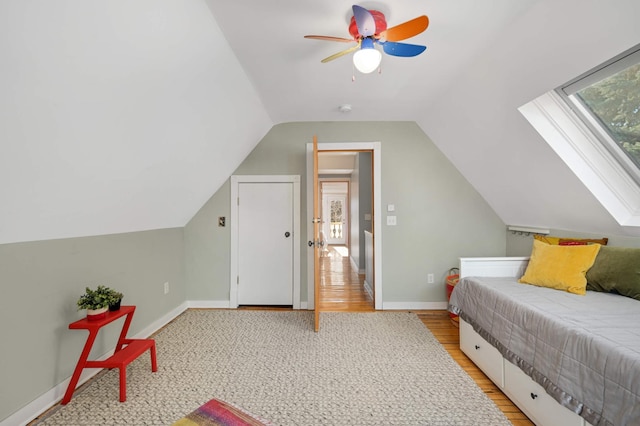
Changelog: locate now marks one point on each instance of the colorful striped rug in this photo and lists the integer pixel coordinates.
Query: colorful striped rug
(220, 413)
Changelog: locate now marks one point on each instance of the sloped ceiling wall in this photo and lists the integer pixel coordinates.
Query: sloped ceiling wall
(116, 116)
(124, 116)
(477, 125)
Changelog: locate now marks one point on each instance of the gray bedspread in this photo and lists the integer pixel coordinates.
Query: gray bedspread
(584, 350)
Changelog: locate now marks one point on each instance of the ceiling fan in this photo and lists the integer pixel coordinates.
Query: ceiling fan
(368, 28)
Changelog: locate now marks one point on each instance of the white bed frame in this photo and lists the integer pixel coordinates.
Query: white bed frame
(529, 396)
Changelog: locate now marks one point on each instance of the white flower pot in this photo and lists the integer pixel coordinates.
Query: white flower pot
(96, 314)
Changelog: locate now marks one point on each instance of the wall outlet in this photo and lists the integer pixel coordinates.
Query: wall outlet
(391, 221)
(430, 279)
(166, 288)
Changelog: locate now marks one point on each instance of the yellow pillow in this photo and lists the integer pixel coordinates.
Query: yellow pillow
(560, 267)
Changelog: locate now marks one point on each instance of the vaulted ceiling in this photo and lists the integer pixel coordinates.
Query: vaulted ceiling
(118, 116)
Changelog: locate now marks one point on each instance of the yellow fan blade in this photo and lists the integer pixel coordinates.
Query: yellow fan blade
(339, 54)
(406, 30)
(330, 38)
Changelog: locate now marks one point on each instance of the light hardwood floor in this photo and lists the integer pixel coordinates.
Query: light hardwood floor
(439, 323)
(341, 289)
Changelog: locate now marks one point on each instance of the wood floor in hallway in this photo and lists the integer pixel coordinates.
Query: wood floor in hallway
(341, 287)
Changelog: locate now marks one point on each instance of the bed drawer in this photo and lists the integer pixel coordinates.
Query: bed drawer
(534, 401)
(481, 353)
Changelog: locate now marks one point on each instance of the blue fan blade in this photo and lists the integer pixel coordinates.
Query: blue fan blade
(402, 49)
(364, 20)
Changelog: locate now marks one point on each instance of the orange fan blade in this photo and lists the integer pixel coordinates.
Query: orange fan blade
(406, 30)
(329, 38)
(339, 54)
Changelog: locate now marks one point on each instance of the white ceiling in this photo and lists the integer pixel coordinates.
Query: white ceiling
(285, 68)
(116, 116)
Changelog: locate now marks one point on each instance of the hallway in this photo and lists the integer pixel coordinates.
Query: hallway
(341, 288)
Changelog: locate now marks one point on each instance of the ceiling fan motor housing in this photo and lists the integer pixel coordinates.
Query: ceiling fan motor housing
(378, 17)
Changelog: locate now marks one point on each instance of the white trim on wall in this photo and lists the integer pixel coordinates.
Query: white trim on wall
(235, 181)
(208, 304)
(376, 148)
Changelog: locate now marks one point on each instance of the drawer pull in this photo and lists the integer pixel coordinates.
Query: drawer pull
(533, 395)
(477, 347)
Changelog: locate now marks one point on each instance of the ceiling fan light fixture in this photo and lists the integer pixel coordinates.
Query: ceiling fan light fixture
(367, 59)
(368, 28)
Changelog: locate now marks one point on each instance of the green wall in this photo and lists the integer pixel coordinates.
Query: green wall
(440, 216)
(207, 253)
(41, 282)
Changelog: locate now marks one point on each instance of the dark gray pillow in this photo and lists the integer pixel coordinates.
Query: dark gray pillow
(616, 270)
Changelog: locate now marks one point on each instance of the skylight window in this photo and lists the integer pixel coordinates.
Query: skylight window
(593, 124)
(608, 101)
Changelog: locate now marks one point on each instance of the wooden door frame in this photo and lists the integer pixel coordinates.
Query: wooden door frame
(376, 149)
(316, 234)
(236, 180)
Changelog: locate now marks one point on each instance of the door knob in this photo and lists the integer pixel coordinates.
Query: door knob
(287, 234)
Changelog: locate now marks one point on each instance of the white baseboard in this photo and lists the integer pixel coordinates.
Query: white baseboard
(426, 306)
(220, 304)
(414, 306)
(48, 399)
(368, 289)
(161, 322)
(210, 304)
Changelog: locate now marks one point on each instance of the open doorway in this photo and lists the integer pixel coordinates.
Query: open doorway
(349, 170)
(342, 271)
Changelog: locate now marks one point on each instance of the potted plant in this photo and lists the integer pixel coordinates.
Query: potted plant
(113, 298)
(95, 302)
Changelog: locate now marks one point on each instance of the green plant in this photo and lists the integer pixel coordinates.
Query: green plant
(101, 297)
(93, 299)
(113, 296)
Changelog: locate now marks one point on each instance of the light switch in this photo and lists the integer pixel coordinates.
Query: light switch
(391, 208)
(391, 220)
(367, 216)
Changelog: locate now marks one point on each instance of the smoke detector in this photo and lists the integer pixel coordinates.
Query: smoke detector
(345, 108)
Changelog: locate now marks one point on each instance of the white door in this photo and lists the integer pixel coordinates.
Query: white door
(265, 243)
(334, 217)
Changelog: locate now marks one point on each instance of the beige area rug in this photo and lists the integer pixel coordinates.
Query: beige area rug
(382, 368)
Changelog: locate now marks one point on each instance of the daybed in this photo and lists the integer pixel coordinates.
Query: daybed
(563, 358)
